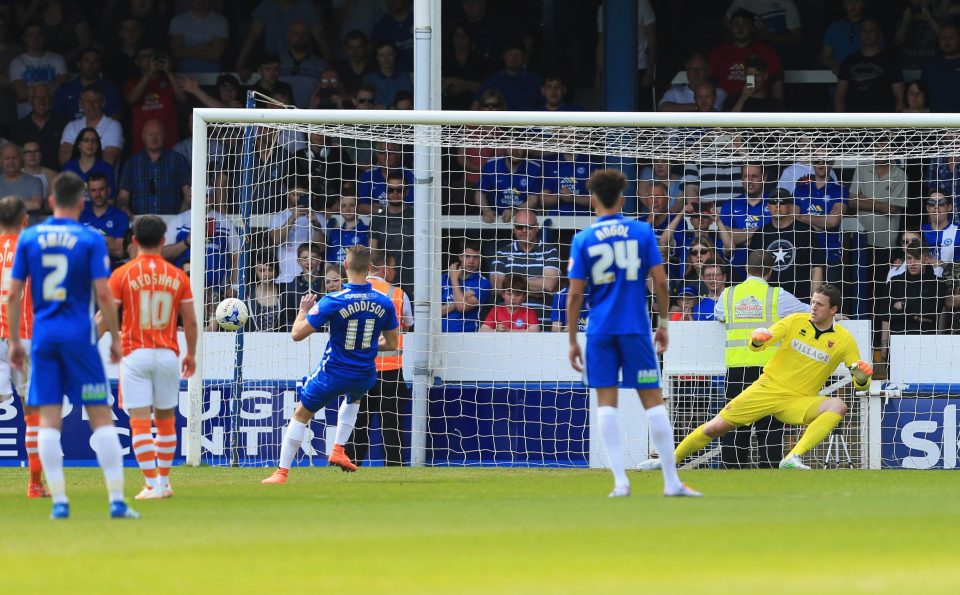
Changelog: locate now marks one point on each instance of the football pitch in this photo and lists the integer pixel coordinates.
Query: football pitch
(490, 531)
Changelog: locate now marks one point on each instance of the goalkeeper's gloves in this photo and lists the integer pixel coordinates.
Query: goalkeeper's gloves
(760, 336)
(862, 372)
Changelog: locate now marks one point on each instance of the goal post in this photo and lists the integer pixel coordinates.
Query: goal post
(511, 399)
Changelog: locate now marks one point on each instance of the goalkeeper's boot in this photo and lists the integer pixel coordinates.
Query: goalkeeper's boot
(340, 459)
(37, 490)
(120, 510)
(620, 492)
(793, 462)
(61, 510)
(278, 476)
(649, 465)
(149, 493)
(684, 491)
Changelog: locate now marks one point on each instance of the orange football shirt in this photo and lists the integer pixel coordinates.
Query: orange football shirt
(8, 248)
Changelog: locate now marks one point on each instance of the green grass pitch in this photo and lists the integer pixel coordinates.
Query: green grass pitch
(490, 531)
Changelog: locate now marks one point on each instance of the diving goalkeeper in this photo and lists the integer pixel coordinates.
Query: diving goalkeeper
(811, 347)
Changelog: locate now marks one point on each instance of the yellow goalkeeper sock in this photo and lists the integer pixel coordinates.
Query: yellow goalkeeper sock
(818, 429)
(694, 441)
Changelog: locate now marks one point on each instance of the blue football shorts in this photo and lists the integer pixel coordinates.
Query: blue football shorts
(633, 355)
(69, 369)
(322, 387)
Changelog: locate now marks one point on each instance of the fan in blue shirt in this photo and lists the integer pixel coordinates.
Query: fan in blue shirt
(462, 313)
(821, 203)
(349, 231)
(558, 315)
(565, 183)
(509, 182)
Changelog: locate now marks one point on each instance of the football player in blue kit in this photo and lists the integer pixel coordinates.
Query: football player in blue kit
(610, 261)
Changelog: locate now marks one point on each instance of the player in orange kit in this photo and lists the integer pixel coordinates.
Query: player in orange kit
(13, 218)
(151, 293)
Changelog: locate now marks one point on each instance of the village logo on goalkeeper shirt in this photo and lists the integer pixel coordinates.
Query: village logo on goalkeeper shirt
(809, 351)
(784, 253)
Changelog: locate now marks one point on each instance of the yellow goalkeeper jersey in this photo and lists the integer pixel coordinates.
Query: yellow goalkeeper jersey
(807, 356)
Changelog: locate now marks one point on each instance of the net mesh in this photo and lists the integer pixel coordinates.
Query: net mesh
(285, 200)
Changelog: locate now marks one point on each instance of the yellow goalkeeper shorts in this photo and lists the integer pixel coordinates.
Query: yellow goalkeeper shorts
(760, 400)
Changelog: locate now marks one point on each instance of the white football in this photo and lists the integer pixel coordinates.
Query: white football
(232, 314)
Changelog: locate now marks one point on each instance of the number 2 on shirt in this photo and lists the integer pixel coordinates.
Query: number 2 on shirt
(624, 253)
(53, 290)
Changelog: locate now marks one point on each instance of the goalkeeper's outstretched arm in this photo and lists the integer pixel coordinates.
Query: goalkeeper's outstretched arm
(761, 337)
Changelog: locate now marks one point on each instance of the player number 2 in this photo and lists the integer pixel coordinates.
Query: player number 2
(53, 290)
(155, 309)
(351, 343)
(624, 253)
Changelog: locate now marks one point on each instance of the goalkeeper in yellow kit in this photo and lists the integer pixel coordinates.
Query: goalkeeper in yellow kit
(811, 348)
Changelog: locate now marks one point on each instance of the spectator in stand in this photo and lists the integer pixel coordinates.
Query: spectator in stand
(869, 80)
(463, 70)
(507, 183)
(742, 216)
(9, 49)
(35, 65)
(464, 292)
(385, 78)
(705, 97)
(198, 38)
(513, 315)
(565, 183)
(939, 230)
(299, 66)
(120, 59)
(662, 171)
(264, 298)
(396, 27)
(714, 281)
(727, 59)
(153, 96)
(689, 225)
(915, 98)
(66, 101)
(391, 230)
(529, 256)
(269, 83)
(492, 30)
(86, 157)
(41, 125)
(111, 134)
(843, 36)
(328, 93)
(943, 175)
(821, 204)
(272, 18)
(33, 165)
(345, 231)
(688, 261)
(558, 314)
(898, 255)
(917, 33)
(14, 182)
(657, 208)
(646, 52)
(331, 170)
(519, 86)
(776, 22)
(64, 24)
(227, 94)
(554, 91)
(797, 266)
(915, 298)
(472, 156)
(333, 277)
(372, 188)
(403, 100)
(755, 96)
(680, 98)
(878, 194)
(156, 180)
(106, 219)
(941, 74)
(294, 225)
(309, 280)
(686, 300)
(711, 182)
(357, 63)
(153, 17)
(801, 171)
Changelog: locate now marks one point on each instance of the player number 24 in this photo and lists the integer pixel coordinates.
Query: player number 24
(351, 343)
(625, 254)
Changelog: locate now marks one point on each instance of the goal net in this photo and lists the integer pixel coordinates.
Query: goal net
(473, 215)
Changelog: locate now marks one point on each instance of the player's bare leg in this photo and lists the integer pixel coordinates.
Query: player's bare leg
(292, 440)
(661, 432)
(609, 422)
(346, 420)
(48, 447)
(820, 422)
(110, 456)
(693, 442)
(145, 450)
(166, 445)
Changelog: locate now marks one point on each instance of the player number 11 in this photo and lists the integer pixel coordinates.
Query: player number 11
(624, 253)
(351, 343)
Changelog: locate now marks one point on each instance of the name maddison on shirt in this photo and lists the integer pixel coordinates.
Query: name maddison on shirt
(811, 352)
(355, 307)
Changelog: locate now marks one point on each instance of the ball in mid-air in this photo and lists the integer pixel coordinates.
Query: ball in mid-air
(232, 314)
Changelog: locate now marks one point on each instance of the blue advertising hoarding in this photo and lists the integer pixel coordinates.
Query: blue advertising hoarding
(919, 433)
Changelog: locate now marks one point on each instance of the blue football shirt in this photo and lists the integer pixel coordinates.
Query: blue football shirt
(62, 258)
(559, 311)
(738, 213)
(820, 201)
(458, 322)
(507, 189)
(614, 256)
(340, 238)
(560, 174)
(357, 315)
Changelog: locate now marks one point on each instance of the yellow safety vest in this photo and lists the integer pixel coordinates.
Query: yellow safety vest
(746, 306)
(391, 360)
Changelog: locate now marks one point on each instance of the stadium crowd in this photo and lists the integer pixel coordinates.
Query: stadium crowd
(105, 88)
